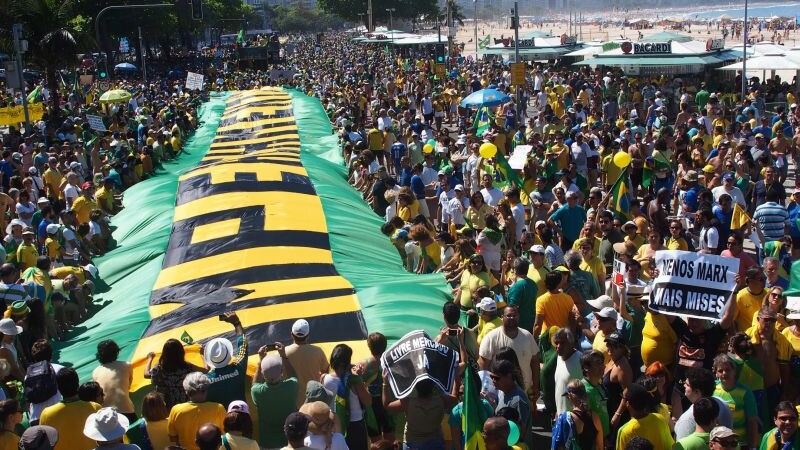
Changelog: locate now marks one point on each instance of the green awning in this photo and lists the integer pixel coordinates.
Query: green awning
(543, 51)
(638, 61)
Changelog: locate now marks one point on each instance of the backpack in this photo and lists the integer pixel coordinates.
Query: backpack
(40, 382)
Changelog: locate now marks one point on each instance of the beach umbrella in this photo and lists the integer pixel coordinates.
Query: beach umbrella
(115, 96)
(125, 67)
(485, 97)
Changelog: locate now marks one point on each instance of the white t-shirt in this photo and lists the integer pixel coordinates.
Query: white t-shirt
(317, 442)
(523, 345)
(492, 196)
(70, 192)
(518, 211)
(735, 193)
(456, 208)
(35, 409)
(686, 424)
(709, 238)
(331, 383)
(565, 372)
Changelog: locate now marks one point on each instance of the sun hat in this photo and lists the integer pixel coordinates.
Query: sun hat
(218, 353)
(9, 328)
(105, 425)
(721, 433)
(319, 413)
(19, 310)
(39, 437)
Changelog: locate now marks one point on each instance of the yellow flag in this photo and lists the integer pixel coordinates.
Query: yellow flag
(740, 217)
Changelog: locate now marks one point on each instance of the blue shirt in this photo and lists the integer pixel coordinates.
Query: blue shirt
(571, 220)
(691, 197)
(418, 187)
(398, 150)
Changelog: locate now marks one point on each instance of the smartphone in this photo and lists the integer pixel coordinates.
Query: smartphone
(221, 317)
(271, 347)
(452, 331)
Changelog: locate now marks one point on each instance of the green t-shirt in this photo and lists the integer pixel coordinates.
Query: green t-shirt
(274, 402)
(694, 441)
(523, 294)
(632, 330)
(742, 402)
(598, 403)
(585, 283)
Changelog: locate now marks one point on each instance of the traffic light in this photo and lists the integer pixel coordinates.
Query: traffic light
(512, 21)
(197, 9)
(102, 74)
(440, 53)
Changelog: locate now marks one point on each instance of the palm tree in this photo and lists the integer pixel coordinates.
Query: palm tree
(52, 41)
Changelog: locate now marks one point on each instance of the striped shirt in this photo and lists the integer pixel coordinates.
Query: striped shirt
(742, 402)
(772, 219)
(10, 293)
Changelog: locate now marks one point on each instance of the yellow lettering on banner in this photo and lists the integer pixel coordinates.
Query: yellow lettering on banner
(14, 115)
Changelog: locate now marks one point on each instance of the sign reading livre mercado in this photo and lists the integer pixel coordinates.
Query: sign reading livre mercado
(692, 284)
(416, 357)
(647, 48)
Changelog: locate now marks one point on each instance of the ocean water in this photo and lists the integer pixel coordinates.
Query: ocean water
(780, 10)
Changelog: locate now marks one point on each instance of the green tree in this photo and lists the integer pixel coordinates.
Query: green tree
(404, 9)
(50, 28)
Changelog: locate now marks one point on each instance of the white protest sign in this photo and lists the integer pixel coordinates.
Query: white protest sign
(519, 157)
(96, 122)
(693, 284)
(194, 81)
(618, 276)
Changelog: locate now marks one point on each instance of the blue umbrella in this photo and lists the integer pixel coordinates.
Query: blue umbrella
(125, 66)
(485, 97)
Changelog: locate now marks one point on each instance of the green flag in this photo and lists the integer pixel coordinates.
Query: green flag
(483, 43)
(36, 95)
(472, 414)
(186, 339)
(483, 120)
(240, 36)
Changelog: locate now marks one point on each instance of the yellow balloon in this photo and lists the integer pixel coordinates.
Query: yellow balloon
(488, 150)
(622, 159)
(427, 148)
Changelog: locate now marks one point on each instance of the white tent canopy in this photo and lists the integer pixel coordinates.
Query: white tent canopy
(767, 62)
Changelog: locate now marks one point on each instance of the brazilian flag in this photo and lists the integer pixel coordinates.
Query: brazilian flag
(483, 119)
(483, 43)
(620, 195)
(472, 415)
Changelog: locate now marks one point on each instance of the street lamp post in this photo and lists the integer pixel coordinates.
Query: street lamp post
(391, 25)
(744, 53)
(361, 19)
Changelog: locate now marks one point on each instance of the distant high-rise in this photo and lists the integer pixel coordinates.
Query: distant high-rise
(310, 4)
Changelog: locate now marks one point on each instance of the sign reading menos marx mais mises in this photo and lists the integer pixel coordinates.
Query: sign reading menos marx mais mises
(692, 284)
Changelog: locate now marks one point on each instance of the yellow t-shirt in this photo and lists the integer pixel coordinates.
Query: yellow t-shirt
(83, 207)
(783, 348)
(471, 282)
(537, 276)
(677, 244)
(594, 266)
(27, 255)
(186, 418)
(658, 340)
(599, 344)
(793, 339)
(747, 306)
(53, 181)
(554, 309)
(105, 197)
(53, 248)
(650, 427)
(9, 441)
(69, 417)
(611, 170)
(65, 271)
(638, 240)
(486, 327)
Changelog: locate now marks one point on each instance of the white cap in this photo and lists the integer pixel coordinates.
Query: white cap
(52, 228)
(487, 304)
(300, 328)
(218, 353)
(240, 406)
(91, 269)
(538, 249)
(459, 188)
(604, 301)
(607, 313)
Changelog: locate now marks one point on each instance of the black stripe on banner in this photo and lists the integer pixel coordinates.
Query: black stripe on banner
(263, 101)
(201, 186)
(199, 308)
(255, 116)
(255, 159)
(212, 285)
(340, 327)
(282, 133)
(253, 236)
(246, 213)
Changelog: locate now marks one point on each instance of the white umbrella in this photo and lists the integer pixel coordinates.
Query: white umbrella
(767, 62)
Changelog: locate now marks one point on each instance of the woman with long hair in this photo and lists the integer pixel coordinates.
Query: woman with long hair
(151, 432)
(617, 377)
(477, 211)
(10, 417)
(464, 249)
(474, 276)
(345, 380)
(167, 376)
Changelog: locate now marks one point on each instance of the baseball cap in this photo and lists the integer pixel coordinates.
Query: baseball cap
(708, 168)
(459, 188)
(728, 176)
(615, 338)
(487, 304)
(296, 424)
(92, 269)
(607, 313)
(52, 228)
(721, 433)
(629, 223)
(300, 328)
(538, 249)
(239, 406)
(758, 135)
(271, 367)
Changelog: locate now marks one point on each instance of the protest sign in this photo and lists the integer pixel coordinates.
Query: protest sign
(618, 276)
(519, 157)
(96, 122)
(194, 81)
(416, 357)
(793, 304)
(693, 284)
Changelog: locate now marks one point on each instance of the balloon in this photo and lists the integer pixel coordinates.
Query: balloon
(488, 150)
(432, 142)
(513, 435)
(622, 159)
(427, 148)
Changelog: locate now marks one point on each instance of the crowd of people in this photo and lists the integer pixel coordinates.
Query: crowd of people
(529, 255)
